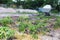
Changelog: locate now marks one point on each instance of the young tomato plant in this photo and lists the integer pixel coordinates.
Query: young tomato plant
(5, 21)
(5, 32)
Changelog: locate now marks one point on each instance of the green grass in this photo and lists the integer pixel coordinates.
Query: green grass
(57, 23)
(54, 11)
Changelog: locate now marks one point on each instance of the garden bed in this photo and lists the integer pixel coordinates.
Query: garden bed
(26, 28)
